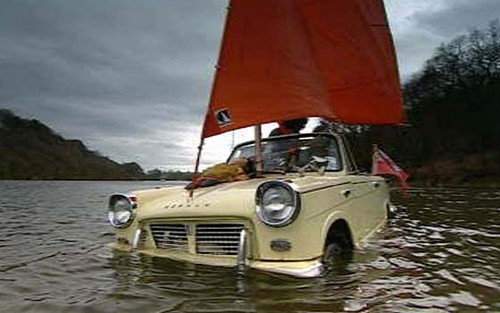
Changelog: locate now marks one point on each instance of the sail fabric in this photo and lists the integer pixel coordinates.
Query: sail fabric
(285, 59)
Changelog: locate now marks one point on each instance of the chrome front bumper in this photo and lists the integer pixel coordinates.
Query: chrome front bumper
(300, 269)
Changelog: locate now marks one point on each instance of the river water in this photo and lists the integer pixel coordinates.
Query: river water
(441, 253)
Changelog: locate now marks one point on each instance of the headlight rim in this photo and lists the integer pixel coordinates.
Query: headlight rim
(132, 206)
(259, 208)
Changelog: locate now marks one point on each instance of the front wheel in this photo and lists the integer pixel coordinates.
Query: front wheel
(338, 248)
(332, 251)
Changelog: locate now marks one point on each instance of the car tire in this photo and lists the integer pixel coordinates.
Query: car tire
(332, 251)
(338, 247)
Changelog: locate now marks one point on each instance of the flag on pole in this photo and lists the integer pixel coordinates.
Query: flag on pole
(383, 164)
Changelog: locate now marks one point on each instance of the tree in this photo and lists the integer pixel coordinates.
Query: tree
(454, 101)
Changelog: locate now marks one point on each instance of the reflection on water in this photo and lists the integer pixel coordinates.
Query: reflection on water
(441, 253)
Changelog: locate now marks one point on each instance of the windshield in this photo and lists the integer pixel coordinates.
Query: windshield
(306, 153)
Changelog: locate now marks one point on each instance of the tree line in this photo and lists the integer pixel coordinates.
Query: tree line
(157, 174)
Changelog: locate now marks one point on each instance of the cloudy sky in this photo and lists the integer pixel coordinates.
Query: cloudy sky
(131, 78)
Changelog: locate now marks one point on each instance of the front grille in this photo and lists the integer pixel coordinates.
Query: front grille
(170, 236)
(143, 237)
(218, 239)
(209, 239)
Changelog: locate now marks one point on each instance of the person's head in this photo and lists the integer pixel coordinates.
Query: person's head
(295, 125)
(321, 128)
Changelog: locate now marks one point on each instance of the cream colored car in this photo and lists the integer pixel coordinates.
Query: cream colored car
(306, 207)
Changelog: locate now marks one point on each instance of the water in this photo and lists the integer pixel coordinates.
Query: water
(440, 254)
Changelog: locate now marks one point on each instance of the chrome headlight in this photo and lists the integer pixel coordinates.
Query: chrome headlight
(277, 203)
(121, 210)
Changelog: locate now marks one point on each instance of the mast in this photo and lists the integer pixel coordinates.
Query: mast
(207, 112)
(258, 149)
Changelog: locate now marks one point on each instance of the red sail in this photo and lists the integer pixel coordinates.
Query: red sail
(285, 59)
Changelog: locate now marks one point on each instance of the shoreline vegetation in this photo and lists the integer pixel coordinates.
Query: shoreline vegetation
(452, 137)
(31, 150)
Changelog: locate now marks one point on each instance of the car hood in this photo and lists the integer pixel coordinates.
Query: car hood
(235, 199)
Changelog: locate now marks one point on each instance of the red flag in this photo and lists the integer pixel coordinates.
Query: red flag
(383, 164)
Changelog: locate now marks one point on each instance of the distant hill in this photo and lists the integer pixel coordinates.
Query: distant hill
(31, 150)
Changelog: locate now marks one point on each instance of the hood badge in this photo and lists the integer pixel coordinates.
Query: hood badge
(189, 205)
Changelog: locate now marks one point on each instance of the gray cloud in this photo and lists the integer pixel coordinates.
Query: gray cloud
(419, 27)
(132, 78)
(114, 73)
(457, 16)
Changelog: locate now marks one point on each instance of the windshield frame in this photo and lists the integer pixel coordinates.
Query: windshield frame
(336, 142)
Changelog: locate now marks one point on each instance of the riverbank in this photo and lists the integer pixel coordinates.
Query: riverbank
(481, 170)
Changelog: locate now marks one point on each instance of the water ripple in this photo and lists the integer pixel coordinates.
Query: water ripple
(440, 254)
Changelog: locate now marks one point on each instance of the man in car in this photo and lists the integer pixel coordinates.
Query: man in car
(281, 154)
(289, 127)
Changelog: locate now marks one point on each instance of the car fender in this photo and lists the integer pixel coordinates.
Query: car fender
(334, 217)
